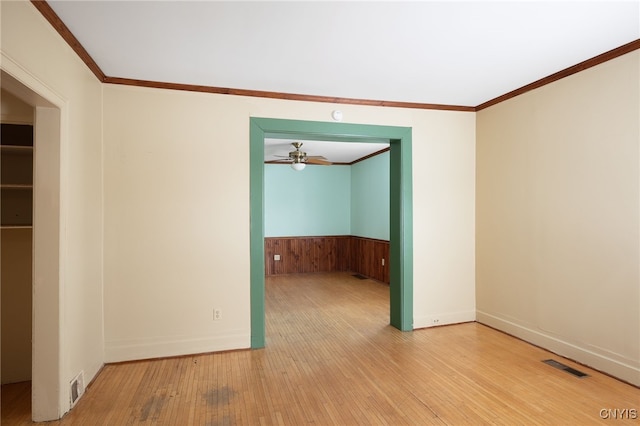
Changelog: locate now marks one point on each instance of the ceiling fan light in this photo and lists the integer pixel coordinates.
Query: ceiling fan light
(298, 166)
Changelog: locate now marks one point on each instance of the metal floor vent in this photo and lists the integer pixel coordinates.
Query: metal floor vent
(77, 388)
(360, 277)
(561, 366)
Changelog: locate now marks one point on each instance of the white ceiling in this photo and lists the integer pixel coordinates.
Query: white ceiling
(439, 52)
(460, 53)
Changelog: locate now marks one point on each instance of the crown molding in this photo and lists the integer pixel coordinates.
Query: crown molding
(43, 7)
(589, 63)
(280, 95)
(55, 21)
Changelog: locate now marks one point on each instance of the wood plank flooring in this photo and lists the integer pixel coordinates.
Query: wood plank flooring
(332, 359)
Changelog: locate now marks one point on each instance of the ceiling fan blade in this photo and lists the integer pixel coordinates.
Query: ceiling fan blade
(312, 160)
(282, 161)
(319, 157)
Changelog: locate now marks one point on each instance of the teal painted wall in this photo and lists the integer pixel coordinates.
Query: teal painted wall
(315, 201)
(337, 200)
(370, 198)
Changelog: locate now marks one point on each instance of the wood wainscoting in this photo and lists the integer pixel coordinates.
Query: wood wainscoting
(360, 255)
(370, 257)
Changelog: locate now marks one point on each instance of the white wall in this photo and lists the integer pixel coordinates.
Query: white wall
(177, 215)
(444, 218)
(34, 53)
(558, 217)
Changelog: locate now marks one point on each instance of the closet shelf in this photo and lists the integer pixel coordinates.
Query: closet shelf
(16, 148)
(16, 180)
(16, 186)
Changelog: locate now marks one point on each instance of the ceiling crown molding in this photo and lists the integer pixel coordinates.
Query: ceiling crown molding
(55, 21)
(597, 60)
(279, 95)
(43, 7)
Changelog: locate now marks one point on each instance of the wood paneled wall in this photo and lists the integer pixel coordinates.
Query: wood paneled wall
(327, 254)
(306, 254)
(367, 256)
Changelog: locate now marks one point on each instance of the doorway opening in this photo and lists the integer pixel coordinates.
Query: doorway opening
(401, 251)
(47, 395)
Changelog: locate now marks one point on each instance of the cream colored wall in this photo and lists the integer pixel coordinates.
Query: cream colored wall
(177, 215)
(558, 217)
(34, 53)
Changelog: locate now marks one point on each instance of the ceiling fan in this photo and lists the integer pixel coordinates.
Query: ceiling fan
(299, 159)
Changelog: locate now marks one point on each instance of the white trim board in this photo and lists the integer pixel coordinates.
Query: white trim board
(170, 346)
(619, 368)
(444, 318)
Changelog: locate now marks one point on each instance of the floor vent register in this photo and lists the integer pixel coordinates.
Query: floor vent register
(561, 366)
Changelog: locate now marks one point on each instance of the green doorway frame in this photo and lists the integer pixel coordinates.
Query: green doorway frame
(401, 208)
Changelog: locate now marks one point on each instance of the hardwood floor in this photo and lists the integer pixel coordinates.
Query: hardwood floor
(331, 358)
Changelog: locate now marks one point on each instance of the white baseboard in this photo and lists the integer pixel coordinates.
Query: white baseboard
(619, 368)
(445, 318)
(130, 350)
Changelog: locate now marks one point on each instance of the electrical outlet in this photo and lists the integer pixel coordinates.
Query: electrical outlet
(436, 321)
(276, 257)
(217, 314)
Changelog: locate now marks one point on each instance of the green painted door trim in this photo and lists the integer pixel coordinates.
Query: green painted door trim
(401, 205)
(256, 195)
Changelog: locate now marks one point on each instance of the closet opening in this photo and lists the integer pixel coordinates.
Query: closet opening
(31, 206)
